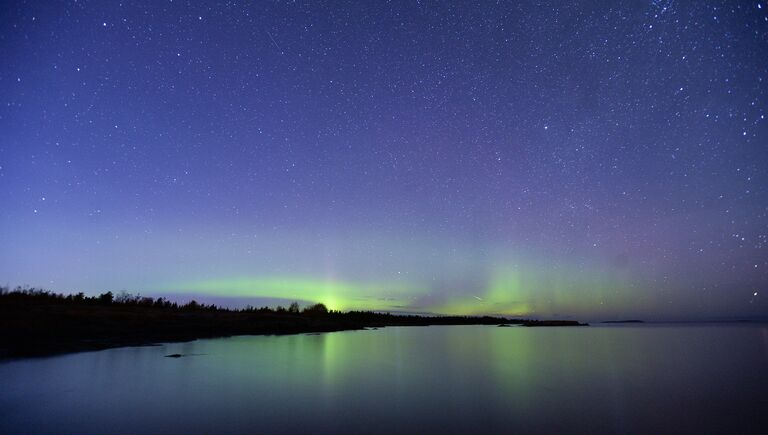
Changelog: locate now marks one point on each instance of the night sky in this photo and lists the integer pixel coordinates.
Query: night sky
(587, 159)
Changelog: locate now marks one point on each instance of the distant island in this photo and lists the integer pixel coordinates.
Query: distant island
(35, 322)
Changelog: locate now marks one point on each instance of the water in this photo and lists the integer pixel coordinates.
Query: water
(461, 379)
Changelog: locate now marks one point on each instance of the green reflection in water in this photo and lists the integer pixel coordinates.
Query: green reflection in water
(527, 380)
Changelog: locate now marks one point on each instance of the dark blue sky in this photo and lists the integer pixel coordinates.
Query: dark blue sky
(587, 159)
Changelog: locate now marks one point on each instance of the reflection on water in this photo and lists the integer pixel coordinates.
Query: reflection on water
(630, 379)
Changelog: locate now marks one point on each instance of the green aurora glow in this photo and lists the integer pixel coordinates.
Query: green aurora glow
(336, 295)
(509, 291)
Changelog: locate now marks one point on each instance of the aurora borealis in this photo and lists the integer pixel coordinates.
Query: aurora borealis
(589, 159)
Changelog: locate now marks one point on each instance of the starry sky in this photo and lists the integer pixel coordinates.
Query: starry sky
(584, 159)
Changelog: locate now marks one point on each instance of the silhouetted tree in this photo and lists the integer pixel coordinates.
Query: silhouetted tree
(316, 309)
(123, 297)
(293, 308)
(106, 298)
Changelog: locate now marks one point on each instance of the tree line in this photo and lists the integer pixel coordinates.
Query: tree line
(123, 298)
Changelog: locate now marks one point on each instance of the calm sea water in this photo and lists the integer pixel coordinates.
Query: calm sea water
(462, 379)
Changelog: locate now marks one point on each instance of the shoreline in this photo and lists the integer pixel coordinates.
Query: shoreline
(34, 328)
